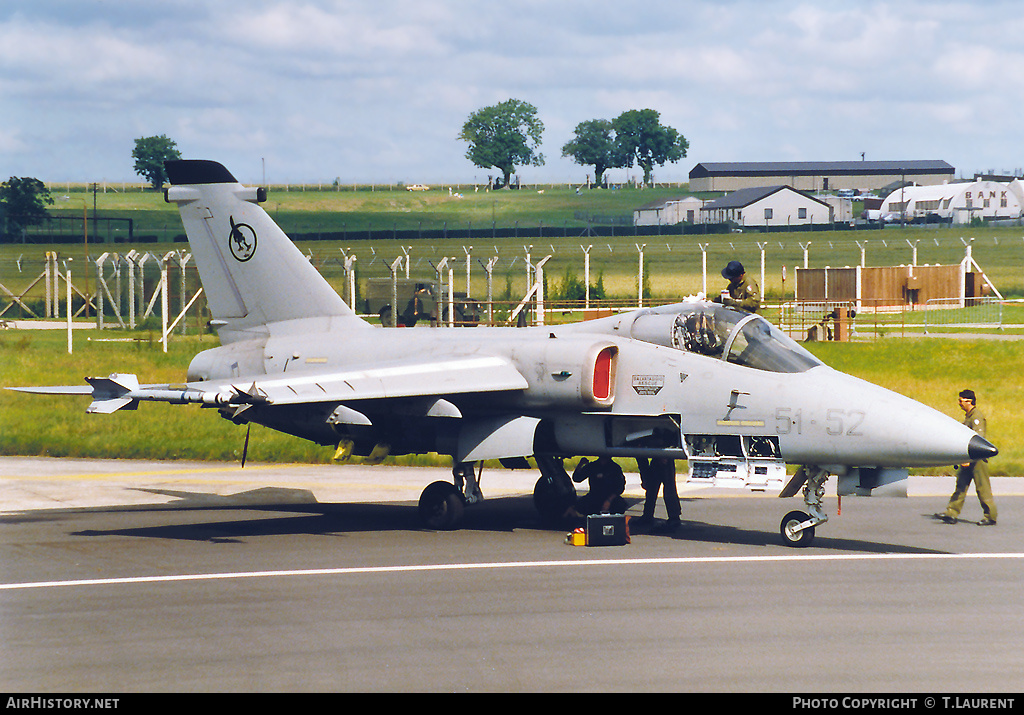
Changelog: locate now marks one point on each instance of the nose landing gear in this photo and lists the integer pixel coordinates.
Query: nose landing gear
(797, 527)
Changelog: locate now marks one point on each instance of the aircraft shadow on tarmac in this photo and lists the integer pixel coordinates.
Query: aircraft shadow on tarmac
(298, 512)
(702, 532)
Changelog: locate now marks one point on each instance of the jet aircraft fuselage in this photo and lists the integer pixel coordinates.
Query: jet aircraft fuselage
(592, 380)
(695, 381)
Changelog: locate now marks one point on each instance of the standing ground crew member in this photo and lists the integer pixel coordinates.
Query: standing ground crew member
(974, 471)
(659, 474)
(744, 292)
(422, 307)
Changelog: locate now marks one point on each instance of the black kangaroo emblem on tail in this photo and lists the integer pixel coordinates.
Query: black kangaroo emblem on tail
(242, 241)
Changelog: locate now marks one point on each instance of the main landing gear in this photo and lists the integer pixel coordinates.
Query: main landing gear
(554, 492)
(797, 527)
(442, 504)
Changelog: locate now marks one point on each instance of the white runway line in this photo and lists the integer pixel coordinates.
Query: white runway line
(343, 571)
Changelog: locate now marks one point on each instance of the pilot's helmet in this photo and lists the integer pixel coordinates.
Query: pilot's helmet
(699, 335)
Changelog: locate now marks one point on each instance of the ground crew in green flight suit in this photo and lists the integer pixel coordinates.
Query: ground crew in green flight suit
(744, 292)
(974, 471)
(422, 306)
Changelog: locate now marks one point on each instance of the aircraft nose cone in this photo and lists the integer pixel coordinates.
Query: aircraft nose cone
(981, 448)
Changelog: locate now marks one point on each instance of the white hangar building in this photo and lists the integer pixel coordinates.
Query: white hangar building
(958, 203)
(668, 212)
(768, 206)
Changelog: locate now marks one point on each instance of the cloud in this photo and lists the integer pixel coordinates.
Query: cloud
(322, 88)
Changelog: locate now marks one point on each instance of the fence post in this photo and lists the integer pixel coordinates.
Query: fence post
(99, 290)
(640, 275)
(913, 248)
(586, 275)
(163, 301)
(439, 270)
(67, 279)
(451, 293)
(49, 299)
(393, 267)
(350, 277)
(529, 267)
(805, 246)
(704, 268)
(762, 247)
(489, 267)
(130, 260)
(540, 290)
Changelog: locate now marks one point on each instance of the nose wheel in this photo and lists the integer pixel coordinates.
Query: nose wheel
(797, 529)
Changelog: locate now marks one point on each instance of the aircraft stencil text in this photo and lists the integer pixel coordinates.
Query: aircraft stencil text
(785, 422)
(840, 422)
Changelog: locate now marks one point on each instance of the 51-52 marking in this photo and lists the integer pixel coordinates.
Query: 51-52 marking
(838, 422)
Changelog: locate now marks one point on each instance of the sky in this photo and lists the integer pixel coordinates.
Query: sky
(313, 91)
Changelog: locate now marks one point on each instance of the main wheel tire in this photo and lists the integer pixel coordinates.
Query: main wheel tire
(796, 539)
(550, 502)
(441, 506)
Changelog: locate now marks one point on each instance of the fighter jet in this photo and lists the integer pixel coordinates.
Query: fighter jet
(697, 381)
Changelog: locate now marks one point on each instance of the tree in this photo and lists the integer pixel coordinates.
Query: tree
(640, 137)
(594, 145)
(150, 153)
(24, 201)
(570, 287)
(503, 136)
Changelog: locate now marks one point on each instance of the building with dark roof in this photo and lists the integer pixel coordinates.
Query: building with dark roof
(817, 175)
(767, 206)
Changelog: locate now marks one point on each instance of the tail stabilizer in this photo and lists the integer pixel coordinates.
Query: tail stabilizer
(251, 272)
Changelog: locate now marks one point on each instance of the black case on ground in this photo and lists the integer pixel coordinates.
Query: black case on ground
(607, 530)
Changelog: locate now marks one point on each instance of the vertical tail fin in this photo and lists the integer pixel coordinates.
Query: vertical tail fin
(251, 271)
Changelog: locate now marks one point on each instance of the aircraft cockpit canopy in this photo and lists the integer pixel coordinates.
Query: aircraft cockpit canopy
(727, 334)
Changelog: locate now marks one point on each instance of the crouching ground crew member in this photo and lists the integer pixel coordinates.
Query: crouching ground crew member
(974, 471)
(607, 482)
(744, 292)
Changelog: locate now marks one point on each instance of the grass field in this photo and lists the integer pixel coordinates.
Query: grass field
(313, 209)
(929, 370)
(674, 263)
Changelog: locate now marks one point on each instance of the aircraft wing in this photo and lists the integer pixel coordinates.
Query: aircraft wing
(405, 378)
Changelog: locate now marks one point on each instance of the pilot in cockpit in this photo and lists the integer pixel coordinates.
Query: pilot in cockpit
(696, 333)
